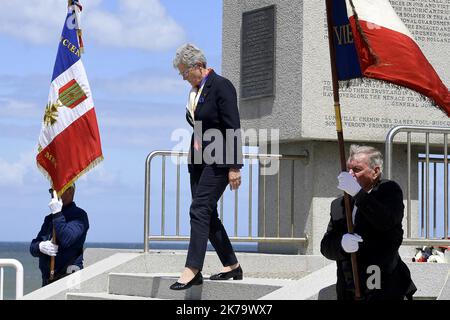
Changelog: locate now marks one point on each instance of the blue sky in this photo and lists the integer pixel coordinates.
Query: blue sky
(139, 100)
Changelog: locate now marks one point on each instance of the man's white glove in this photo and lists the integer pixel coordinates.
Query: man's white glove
(350, 241)
(56, 204)
(48, 248)
(348, 183)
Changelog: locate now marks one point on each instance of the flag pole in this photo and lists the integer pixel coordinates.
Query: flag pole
(340, 137)
(52, 258)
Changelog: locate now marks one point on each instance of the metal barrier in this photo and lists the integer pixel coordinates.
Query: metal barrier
(19, 276)
(426, 240)
(249, 238)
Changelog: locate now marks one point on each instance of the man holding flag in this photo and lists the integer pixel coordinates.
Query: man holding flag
(379, 47)
(69, 142)
(377, 215)
(70, 224)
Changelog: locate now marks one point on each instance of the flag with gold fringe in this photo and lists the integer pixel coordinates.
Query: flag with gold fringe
(69, 141)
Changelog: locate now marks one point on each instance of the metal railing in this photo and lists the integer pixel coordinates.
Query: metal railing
(425, 161)
(19, 276)
(235, 237)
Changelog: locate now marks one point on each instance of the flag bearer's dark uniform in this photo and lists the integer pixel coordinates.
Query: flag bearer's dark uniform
(71, 226)
(378, 221)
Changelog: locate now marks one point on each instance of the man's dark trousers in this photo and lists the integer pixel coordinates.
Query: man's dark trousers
(207, 186)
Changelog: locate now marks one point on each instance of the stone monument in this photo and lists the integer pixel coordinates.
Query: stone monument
(276, 54)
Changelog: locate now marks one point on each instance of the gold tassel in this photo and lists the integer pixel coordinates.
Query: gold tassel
(80, 40)
(68, 184)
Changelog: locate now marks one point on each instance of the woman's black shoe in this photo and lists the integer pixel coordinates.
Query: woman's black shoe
(236, 274)
(197, 280)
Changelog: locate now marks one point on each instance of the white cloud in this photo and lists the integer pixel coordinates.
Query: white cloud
(24, 174)
(141, 24)
(22, 109)
(14, 174)
(151, 122)
(35, 22)
(100, 176)
(146, 85)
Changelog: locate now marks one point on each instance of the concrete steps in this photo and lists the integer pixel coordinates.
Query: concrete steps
(429, 279)
(444, 294)
(136, 275)
(129, 286)
(103, 296)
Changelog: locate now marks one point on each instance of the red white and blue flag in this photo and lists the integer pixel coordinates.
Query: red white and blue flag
(69, 141)
(384, 48)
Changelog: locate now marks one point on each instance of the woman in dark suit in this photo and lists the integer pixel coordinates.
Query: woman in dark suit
(215, 160)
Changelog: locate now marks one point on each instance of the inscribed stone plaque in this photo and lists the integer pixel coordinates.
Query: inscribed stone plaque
(258, 53)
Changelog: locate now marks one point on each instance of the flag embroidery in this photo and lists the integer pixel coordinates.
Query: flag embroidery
(69, 141)
(71, 94)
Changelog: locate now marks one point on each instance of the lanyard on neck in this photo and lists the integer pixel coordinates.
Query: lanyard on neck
(194, 95)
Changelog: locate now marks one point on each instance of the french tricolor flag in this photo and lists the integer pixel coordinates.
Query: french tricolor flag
(385, 49)
(69, 141)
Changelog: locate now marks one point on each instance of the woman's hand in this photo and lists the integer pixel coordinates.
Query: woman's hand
(234, 178)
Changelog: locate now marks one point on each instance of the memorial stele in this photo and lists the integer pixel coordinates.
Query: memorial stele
(276, 54)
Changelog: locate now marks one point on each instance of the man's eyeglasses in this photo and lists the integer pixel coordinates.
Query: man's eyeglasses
(185, 73)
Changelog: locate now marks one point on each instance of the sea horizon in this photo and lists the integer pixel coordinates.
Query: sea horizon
(19, 250)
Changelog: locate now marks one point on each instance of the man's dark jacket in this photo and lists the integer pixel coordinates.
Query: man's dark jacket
(217, 109)
(378, 221)
(71, 226)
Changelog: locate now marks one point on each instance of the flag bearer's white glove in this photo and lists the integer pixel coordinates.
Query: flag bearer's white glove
(348, 183)
(56, 204)
(350, 241)
(48, 248)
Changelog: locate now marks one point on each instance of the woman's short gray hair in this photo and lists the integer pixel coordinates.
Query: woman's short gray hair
(374, 155)
(189, 56)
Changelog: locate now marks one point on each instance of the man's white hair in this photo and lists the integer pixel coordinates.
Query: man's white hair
(189, 55)
(374, 155)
